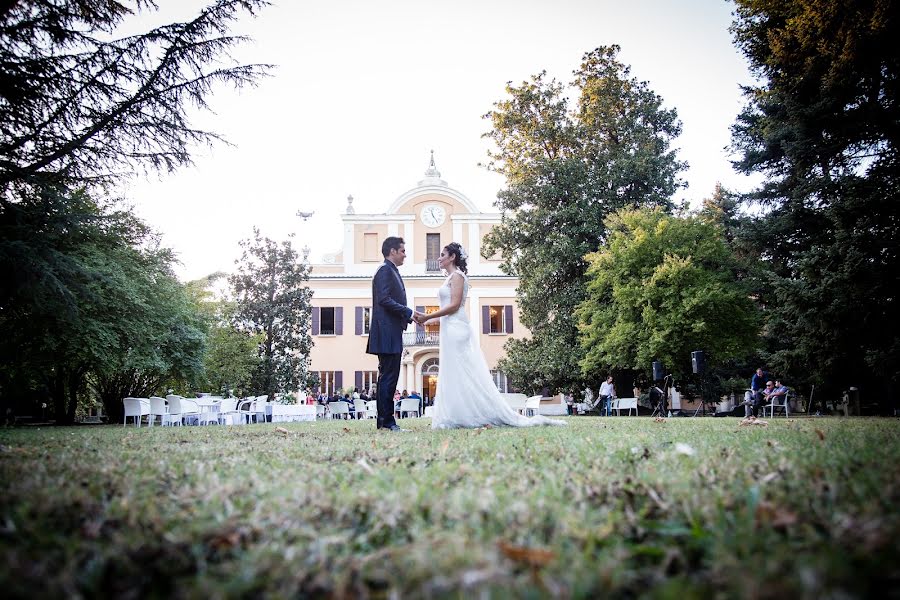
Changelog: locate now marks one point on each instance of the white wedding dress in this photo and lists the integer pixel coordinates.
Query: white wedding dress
(466, 394)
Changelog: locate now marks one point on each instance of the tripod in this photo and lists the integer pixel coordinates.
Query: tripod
(702, 406)
(665, 395)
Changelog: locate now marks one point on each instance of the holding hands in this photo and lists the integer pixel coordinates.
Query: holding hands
(420, 318)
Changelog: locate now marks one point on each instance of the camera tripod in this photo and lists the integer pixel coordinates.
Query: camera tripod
(667, 384)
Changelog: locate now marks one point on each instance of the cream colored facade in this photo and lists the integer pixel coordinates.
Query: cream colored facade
(427, 217)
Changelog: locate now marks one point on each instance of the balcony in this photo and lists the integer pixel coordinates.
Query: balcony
(421, 338)
(431, 265)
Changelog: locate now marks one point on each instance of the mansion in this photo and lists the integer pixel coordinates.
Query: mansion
(428, 217)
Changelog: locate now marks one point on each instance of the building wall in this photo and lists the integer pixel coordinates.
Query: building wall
(344, 280)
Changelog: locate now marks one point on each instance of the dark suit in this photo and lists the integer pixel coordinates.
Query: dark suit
(390, 316)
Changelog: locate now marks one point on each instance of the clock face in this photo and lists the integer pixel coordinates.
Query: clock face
(433, 215)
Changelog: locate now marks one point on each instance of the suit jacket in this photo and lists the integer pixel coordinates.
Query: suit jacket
(390, 315)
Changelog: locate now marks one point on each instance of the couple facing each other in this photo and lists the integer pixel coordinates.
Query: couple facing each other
(466, 394)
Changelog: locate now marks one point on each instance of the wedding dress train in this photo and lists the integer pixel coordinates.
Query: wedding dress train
(466, 394)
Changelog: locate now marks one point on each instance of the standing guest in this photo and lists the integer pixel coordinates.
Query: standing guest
(607, 393)
(758, 385)
(309, 398)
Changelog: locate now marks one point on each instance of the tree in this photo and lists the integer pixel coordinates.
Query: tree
(823, 127)
(232, 357)
(565, 171)
(273, 301)
(90, 293)
(79, 106)
(660, 287)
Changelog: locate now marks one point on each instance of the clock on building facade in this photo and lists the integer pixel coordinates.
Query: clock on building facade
(433, 215)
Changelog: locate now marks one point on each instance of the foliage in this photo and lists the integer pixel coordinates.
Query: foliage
(661, 287)
(565, 171)
(89, 292)
(822, 126)
(78, 104)
(618, 507)
(232, 358)
(272, 300)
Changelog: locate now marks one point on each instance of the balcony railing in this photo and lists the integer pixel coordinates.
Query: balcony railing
(431, 265)
(421, 338)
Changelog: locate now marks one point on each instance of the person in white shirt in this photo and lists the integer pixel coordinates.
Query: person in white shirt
(607, 393)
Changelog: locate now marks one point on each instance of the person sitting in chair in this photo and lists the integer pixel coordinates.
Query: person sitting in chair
(778, 393)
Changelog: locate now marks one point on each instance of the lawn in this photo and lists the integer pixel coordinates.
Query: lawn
(684, 508)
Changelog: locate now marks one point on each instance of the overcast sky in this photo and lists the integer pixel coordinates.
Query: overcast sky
(363, 90)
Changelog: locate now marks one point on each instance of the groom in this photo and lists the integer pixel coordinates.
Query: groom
(390, 316)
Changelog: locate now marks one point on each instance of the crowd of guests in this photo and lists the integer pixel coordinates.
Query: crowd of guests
(763, 390)
(364, 395)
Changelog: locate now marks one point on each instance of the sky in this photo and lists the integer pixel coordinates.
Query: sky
(362, 91)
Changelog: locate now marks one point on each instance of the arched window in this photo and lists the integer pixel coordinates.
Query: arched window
(431, 367)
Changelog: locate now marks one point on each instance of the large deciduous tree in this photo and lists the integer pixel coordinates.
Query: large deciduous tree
(90, 296)
(660, 287)
(566, 169)
(823, 125)
(273, 301)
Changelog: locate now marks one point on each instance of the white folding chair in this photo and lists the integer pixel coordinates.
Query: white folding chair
(228, 411)
(371, 409)
(259, 408)
(360, 408)
(339, 410)
(175, 410)
(136, 408)
(409, 405)
(190, 411)
(159, 409)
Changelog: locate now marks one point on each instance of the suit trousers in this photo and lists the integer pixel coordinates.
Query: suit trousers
(388, 374)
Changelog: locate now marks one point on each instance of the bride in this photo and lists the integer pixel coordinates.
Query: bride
(466, 394)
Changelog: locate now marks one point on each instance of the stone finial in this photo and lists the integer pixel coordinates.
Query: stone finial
(350, 210)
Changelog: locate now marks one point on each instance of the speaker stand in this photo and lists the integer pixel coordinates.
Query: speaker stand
(702, 406)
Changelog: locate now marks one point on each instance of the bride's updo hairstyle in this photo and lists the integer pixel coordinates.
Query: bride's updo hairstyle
(460, 261)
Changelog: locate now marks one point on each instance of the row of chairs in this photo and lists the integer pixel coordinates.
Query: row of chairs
(177, 410)
(367, 409)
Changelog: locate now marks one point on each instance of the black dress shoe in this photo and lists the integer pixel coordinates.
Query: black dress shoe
(396, 427)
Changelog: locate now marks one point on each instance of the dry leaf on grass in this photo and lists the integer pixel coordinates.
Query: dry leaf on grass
(346, 430)
(444, 446)
(281, 430)
(821, 434)
(754, 421)
(534, 557)
(660, 419)
(365, 465)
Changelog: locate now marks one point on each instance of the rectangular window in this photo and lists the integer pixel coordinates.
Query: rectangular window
(363, 320)
(432, 251)
(370, 247)
(329, 382)
(365, 380)
(496, 314)
(433, 326)
(497, 319)
(326, 320)
(500, 381)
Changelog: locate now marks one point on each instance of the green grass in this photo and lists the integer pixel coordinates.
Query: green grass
(688, 508)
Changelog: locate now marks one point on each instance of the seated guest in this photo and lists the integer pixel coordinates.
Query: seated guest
(777, 394)
(761, 399)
